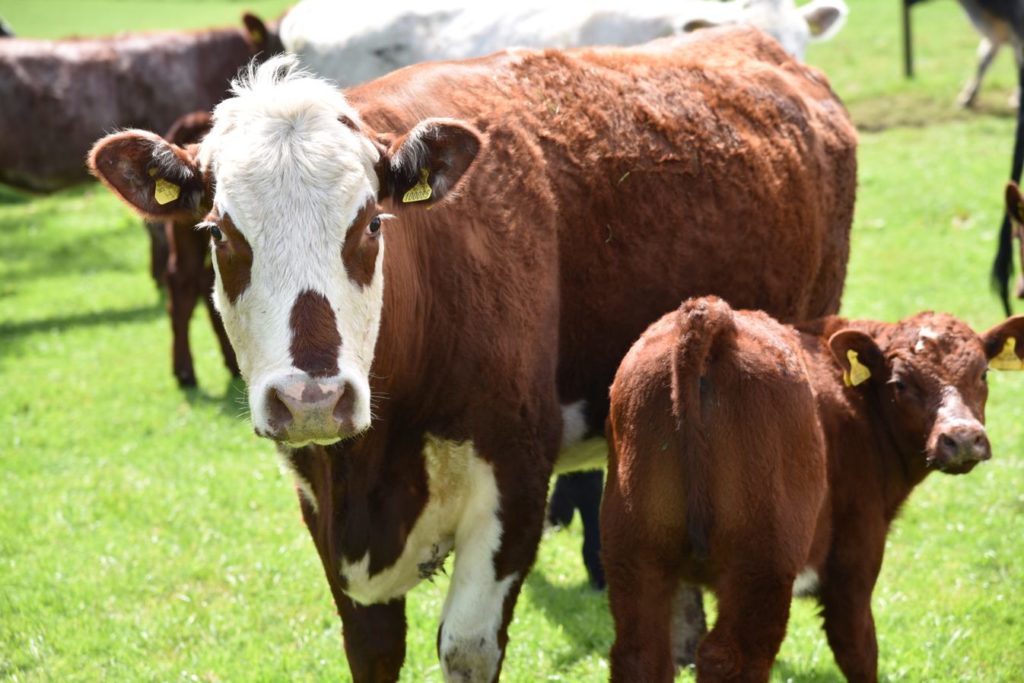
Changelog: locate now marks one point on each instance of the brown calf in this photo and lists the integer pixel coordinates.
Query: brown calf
(747, 456)
(60, 95)
(186, 267)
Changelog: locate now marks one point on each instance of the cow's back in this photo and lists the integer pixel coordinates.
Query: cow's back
(687, 166)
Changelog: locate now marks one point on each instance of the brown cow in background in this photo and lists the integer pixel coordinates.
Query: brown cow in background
(749, 456)
(60, 95)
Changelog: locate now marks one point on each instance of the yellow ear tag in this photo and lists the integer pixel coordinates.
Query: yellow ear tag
(256, 36)
(165, 191)
(1007, 359)
(858, 373)
(421, 191)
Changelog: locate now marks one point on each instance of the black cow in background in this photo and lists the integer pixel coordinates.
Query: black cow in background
(5, 29)
(1002, 267)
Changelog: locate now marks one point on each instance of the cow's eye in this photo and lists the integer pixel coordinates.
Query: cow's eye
(984, 377)
(374, 227)
(899, 385)
(217, 235)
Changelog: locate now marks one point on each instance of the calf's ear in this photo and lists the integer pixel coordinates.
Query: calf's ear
(859, 357)
(429, 162)
(1014, 203)
(1004, 344)
(824, 17)
(159, 180)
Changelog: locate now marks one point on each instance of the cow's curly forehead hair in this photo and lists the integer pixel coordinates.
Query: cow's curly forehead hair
(283, 131)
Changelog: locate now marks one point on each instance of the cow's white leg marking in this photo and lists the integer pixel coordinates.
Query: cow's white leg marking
(688, 624)
(475, 603)
(806, 583)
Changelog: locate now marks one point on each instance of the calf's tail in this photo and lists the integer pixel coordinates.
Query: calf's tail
(702, 325)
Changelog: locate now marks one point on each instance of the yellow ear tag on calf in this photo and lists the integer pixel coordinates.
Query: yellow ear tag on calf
(421, 191)
(858, 373)
(165, 191)
(1007, 359)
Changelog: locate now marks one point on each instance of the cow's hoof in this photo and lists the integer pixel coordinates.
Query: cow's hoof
(186, 380)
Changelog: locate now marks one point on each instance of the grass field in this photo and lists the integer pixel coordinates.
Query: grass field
(146, 535)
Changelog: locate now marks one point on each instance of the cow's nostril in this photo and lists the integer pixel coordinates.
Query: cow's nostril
(345, 405)
(979, 440)
(278, 412)
(946, 441)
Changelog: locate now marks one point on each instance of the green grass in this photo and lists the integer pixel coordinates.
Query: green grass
(146, 535)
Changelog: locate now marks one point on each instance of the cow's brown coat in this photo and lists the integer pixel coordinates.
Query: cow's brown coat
(738, 458)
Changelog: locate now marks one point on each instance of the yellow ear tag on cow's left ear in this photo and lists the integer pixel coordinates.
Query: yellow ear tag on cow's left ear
(858, 373)
(1007, 358)
(421, 191)
(165, 191)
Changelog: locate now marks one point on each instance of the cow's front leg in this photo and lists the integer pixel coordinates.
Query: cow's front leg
(374, 638)
(495, 545)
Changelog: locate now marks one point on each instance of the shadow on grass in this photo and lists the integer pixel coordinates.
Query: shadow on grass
(912, 110)
(232, 403)
(63, 322)
(581, 611)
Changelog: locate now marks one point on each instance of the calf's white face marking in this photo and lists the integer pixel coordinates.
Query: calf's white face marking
(293, 178)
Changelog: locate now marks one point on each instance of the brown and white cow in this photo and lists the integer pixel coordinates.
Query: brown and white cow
(762, 461)
(430, 279)
(60, 95)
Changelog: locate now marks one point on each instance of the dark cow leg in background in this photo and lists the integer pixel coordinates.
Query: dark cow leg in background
(226, 350)
(374, 637)
(689, 625)
(159, 252)
(581, 491)
(186, 282)
(1002, 267)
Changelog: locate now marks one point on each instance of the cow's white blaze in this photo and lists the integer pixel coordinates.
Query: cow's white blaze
(292, 178)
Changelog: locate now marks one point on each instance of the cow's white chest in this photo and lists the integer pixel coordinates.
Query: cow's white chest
(453, 471)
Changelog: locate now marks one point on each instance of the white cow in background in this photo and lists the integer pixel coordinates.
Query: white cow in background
(355, 42)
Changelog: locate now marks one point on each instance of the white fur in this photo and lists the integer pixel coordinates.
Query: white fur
(292, 178)
(925, 335)
(352, 43)
(287, 466)
(806, 583)
(954, 413)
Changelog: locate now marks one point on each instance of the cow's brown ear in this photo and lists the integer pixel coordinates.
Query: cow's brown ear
(255, 30)
(1014, 203)
(156, 178)
(1004, 344)
(859, 357)
(428, 163)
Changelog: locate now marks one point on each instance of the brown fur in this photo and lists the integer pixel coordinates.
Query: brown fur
(60, 95)
(359, 252)
(234, 258)
(796, 471)
(601, 186)
(315, 339)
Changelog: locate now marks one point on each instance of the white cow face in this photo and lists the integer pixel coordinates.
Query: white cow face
(794, 27)
(290, 185)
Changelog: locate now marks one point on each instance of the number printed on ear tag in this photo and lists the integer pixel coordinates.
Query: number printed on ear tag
(421, 191)
(165, 191)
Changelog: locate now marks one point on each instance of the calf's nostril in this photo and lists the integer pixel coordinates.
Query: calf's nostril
(345, 405)
(947, 442)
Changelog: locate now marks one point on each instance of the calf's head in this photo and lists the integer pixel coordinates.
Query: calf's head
(292, 188)
(926, 377)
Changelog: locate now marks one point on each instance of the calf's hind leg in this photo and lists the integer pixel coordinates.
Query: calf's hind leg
(753, 608)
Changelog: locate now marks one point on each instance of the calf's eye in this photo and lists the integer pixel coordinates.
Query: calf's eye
(374, 227)
(217, 235)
